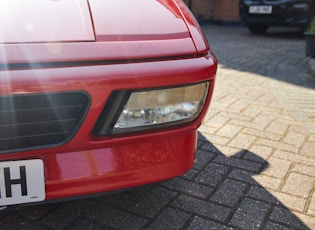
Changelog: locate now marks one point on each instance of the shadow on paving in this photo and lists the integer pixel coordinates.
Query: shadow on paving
(278, 54)
(231, 178)
(282, 33)
(219, 192)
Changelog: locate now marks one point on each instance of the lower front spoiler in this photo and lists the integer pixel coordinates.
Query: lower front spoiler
(75, 174)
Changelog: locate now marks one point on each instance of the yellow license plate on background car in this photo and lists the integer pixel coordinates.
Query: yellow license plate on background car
(21, 182)
(260, 9)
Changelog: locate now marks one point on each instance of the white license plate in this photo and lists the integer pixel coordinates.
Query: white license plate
(260, 9)
(21, 182)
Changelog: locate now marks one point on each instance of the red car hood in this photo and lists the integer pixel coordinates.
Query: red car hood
(33, 21)
(137, 20)
(37, 31)
(29, 21)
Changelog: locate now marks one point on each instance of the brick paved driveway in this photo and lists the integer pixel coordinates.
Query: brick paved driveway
(255, 164)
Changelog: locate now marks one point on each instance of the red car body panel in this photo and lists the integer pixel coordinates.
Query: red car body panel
(145, 44)
(45, 21)
(111, 23)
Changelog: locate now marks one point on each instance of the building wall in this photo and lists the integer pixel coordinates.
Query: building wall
(226, 10)
(202, 9)
(217, 10)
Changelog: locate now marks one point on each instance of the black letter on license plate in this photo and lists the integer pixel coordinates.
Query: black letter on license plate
(9, 182)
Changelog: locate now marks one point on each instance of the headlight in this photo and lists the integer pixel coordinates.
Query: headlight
(156, 108)
(301, 6)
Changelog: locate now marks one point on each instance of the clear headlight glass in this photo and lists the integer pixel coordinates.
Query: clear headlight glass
(161, 107)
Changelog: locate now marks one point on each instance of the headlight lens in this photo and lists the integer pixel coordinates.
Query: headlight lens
(162, 107)
(301, 6)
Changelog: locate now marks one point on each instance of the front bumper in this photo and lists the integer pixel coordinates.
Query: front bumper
(89, 164)
(121, 166)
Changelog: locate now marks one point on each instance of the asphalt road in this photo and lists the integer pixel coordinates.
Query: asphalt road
(255, 164)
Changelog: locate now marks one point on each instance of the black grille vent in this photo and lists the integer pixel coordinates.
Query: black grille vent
(40, 120)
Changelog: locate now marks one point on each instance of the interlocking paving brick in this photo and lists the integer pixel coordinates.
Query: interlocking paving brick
(203, 158)
(199, 223)
(220, 93)
(218, 121)
(201, 138)
(235, 116)
(267, 181)
(123, 199)
(242, 175)
(279, 114)
(153, 202)
(277, 168)
(278, 145)
(294, 157)
(53, 218)
(260, 193)
(228, 100)
(228, 151)
(255, 94)
(277, 127)
(4, 213)
(239, 106)
(242, 141)
(309, 149)
(295, 127)
(296, 139)
(190, 174)
(229, 193)
(142, 190)
(170, 219)
(250, 214)
(202, 208)
(252, 111)
(274, 226)
(213, 174)
(212, 112)
(259, 153)
(188, 187)
(263, 134)
(265, 99)
(116, 218)
(311, 208)
(261, 122)
(12, 221)
(284, 216)
(199, 143)
(209, 147)
(83, 223)
(207, 129)
(304, 169)
(32, 213)
(298, 184)
(229, 130)
(217, 139)
(246, 124)
(292, 202)
(309, 221)
(239, 163)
